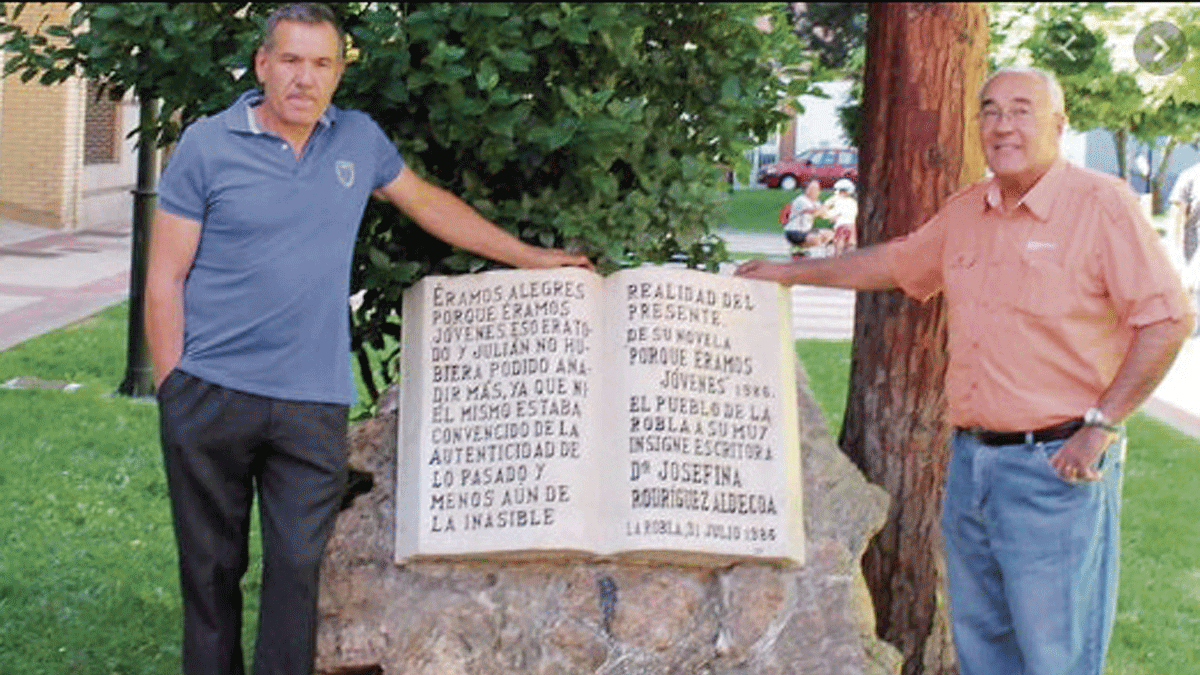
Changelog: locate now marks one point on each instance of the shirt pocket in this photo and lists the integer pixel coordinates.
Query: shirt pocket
(963, 278)
(1038, 284)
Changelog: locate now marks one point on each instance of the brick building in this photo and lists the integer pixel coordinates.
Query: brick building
(65, 161)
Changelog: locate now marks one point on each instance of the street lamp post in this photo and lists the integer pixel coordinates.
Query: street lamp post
(139, 377)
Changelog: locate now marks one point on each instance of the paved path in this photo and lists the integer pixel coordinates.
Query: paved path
(49, 279)
(1177, 399)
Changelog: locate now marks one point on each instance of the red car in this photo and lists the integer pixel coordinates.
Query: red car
(825, 164)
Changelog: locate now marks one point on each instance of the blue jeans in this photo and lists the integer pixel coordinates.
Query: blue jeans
(1031, 559)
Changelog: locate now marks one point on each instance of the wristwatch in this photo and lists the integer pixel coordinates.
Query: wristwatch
(1095, 417)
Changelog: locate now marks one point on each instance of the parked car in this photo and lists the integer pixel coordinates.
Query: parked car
(825, 164)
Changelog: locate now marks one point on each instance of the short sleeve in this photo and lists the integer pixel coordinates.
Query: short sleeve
(915, 259)
(1143, 285)
(388, 161)
(182, 188)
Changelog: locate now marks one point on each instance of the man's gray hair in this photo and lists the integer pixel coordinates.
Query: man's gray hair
(304, 12)
(1053, 88)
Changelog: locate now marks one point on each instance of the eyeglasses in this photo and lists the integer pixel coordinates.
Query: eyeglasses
(1019, 115)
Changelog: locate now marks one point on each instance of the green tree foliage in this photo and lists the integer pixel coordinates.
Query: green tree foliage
(598, 127)
(1097, 95)
(194, 57)
(1185, 84)
(1101, 94)
(836, 34)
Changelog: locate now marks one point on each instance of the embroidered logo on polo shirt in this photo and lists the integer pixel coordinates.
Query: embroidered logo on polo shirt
(345, 172)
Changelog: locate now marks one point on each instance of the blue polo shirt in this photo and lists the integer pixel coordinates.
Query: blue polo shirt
(266, 301)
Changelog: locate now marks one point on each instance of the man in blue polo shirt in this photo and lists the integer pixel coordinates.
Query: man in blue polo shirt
(246, 315)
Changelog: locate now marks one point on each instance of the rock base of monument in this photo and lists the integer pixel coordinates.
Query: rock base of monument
(480, 617)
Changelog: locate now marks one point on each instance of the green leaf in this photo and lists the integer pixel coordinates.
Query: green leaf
(487, 77)
(731, 88)
(561, 133)
(515, 60)
(571, 99)
(104, 12)
(394, 91)
(491, 9)
(453, 72)
(576, 31)
(378, 257)
(444, 52)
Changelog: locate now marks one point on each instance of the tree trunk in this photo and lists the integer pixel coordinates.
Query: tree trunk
(925, 63)
(1120, 138)
(1158, 204)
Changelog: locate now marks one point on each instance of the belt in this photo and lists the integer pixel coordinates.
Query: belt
(1044, 435)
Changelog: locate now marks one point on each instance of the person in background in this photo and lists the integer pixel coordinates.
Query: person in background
(799, 229)
(1185, 197)
(247, 321)
(1063, 315)
(842, 209)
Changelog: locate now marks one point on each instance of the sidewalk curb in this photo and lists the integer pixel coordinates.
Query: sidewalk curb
(1183, 420)
(62, 308)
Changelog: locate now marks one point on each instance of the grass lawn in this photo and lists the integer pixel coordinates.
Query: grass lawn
(1158, 611)
(758, 210)
(827, 363)
(1158, 615)
(88, 580)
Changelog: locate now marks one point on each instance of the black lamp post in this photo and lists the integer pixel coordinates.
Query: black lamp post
(139, 376)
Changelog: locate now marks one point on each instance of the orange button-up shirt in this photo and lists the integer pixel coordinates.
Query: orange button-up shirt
(1043, 300)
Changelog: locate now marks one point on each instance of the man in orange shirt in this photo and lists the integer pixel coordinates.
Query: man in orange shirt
(1064, 314)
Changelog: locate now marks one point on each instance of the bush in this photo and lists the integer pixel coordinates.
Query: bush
(596, 127)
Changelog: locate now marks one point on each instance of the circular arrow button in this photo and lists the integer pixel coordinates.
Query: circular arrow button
(1068, 47)
(1160, 48)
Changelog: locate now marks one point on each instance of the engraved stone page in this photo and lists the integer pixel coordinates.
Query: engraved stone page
(708, 432)
(491, 454)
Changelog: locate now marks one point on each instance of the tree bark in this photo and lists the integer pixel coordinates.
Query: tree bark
(1158, 202)
(1120, 136)
(925, 63)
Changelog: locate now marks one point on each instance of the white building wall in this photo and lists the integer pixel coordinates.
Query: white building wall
(818, 126)
(106, 196)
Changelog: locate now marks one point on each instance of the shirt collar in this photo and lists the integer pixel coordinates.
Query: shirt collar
(1040, 197)
(243, 119)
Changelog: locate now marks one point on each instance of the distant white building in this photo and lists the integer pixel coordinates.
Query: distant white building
(818, 125)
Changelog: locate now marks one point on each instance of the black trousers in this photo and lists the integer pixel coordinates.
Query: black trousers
(220, 446)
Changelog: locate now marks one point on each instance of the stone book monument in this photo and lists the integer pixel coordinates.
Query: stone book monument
(649, 415)
(600, 477)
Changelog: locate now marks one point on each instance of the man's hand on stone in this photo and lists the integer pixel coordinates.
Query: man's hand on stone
(538, 258)
(763, 270)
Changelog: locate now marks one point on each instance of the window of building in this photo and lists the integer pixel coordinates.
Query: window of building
(101, 127)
